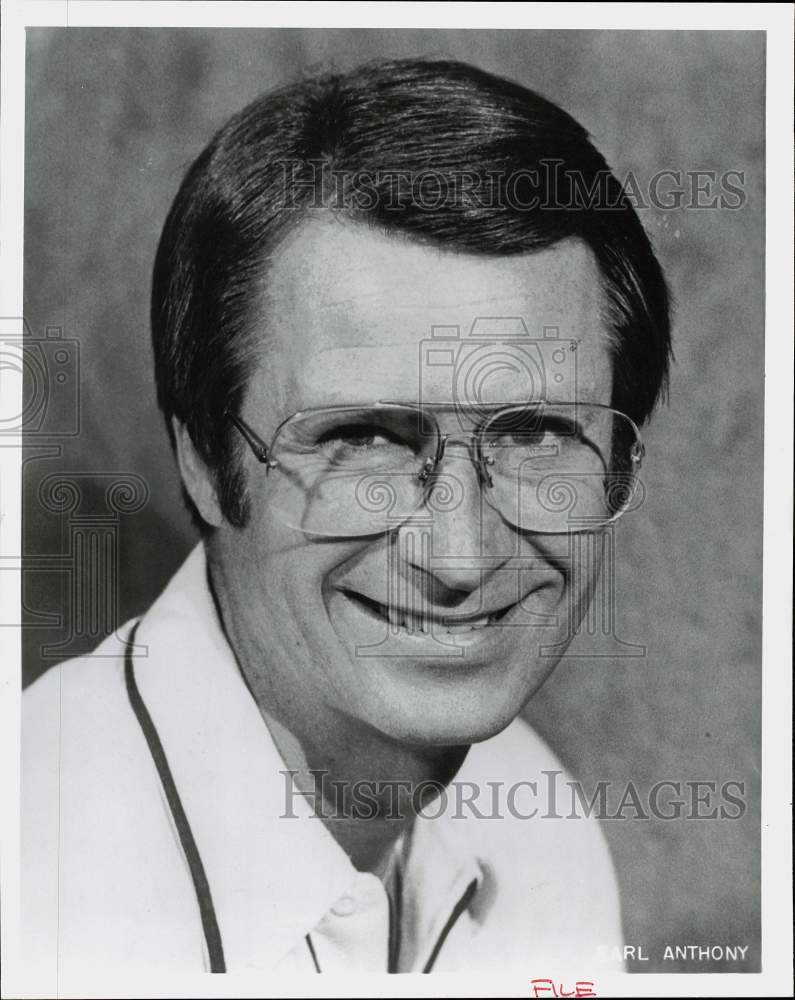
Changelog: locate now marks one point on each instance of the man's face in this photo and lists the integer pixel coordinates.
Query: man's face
(343, 320)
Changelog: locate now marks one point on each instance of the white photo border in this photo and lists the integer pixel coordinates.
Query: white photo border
(773, 18)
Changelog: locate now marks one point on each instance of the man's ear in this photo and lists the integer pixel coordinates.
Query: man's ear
(196, 477)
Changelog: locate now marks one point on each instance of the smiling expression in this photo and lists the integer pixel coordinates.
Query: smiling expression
(429, 633)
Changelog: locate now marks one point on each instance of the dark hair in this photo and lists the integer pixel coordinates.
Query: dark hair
(447, 154)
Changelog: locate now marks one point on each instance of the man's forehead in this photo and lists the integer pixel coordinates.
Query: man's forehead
(349, 309)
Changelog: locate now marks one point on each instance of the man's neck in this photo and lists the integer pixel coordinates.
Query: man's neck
(366, 788)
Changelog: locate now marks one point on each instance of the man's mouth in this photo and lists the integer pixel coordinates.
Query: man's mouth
(427, 621)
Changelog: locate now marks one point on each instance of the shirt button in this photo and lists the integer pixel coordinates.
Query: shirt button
(344, 906)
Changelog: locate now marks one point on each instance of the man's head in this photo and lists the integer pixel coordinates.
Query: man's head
(311, 250)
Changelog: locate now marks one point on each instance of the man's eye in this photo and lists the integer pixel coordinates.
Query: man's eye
(358, 442)
(532, 434)
(526, 437)
(539, 443)
(356, 437)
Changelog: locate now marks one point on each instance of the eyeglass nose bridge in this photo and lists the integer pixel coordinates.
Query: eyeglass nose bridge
(479, 460)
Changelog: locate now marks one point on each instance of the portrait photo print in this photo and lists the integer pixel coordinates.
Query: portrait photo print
(392, 506)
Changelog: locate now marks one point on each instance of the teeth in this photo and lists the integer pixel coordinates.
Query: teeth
(408, 622)
(416, 623)
(474, 623)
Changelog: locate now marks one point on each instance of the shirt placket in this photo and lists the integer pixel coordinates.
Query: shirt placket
(354, 935)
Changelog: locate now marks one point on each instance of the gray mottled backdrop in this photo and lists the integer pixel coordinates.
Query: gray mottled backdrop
(113, 119)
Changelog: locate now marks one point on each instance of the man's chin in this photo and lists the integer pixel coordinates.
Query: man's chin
(458, 717)
(439, 688)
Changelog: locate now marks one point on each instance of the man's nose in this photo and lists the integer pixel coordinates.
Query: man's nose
(468, 540)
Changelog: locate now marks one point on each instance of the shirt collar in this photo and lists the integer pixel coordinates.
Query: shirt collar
(438, 870)
(274, 870)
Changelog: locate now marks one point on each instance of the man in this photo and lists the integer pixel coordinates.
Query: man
(405, 328)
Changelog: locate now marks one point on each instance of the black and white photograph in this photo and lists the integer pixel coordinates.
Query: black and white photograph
(400, 417)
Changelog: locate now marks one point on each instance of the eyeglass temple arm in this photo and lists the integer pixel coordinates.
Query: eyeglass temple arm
(253, 440)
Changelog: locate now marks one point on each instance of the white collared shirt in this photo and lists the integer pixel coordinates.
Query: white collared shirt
(105, 882)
